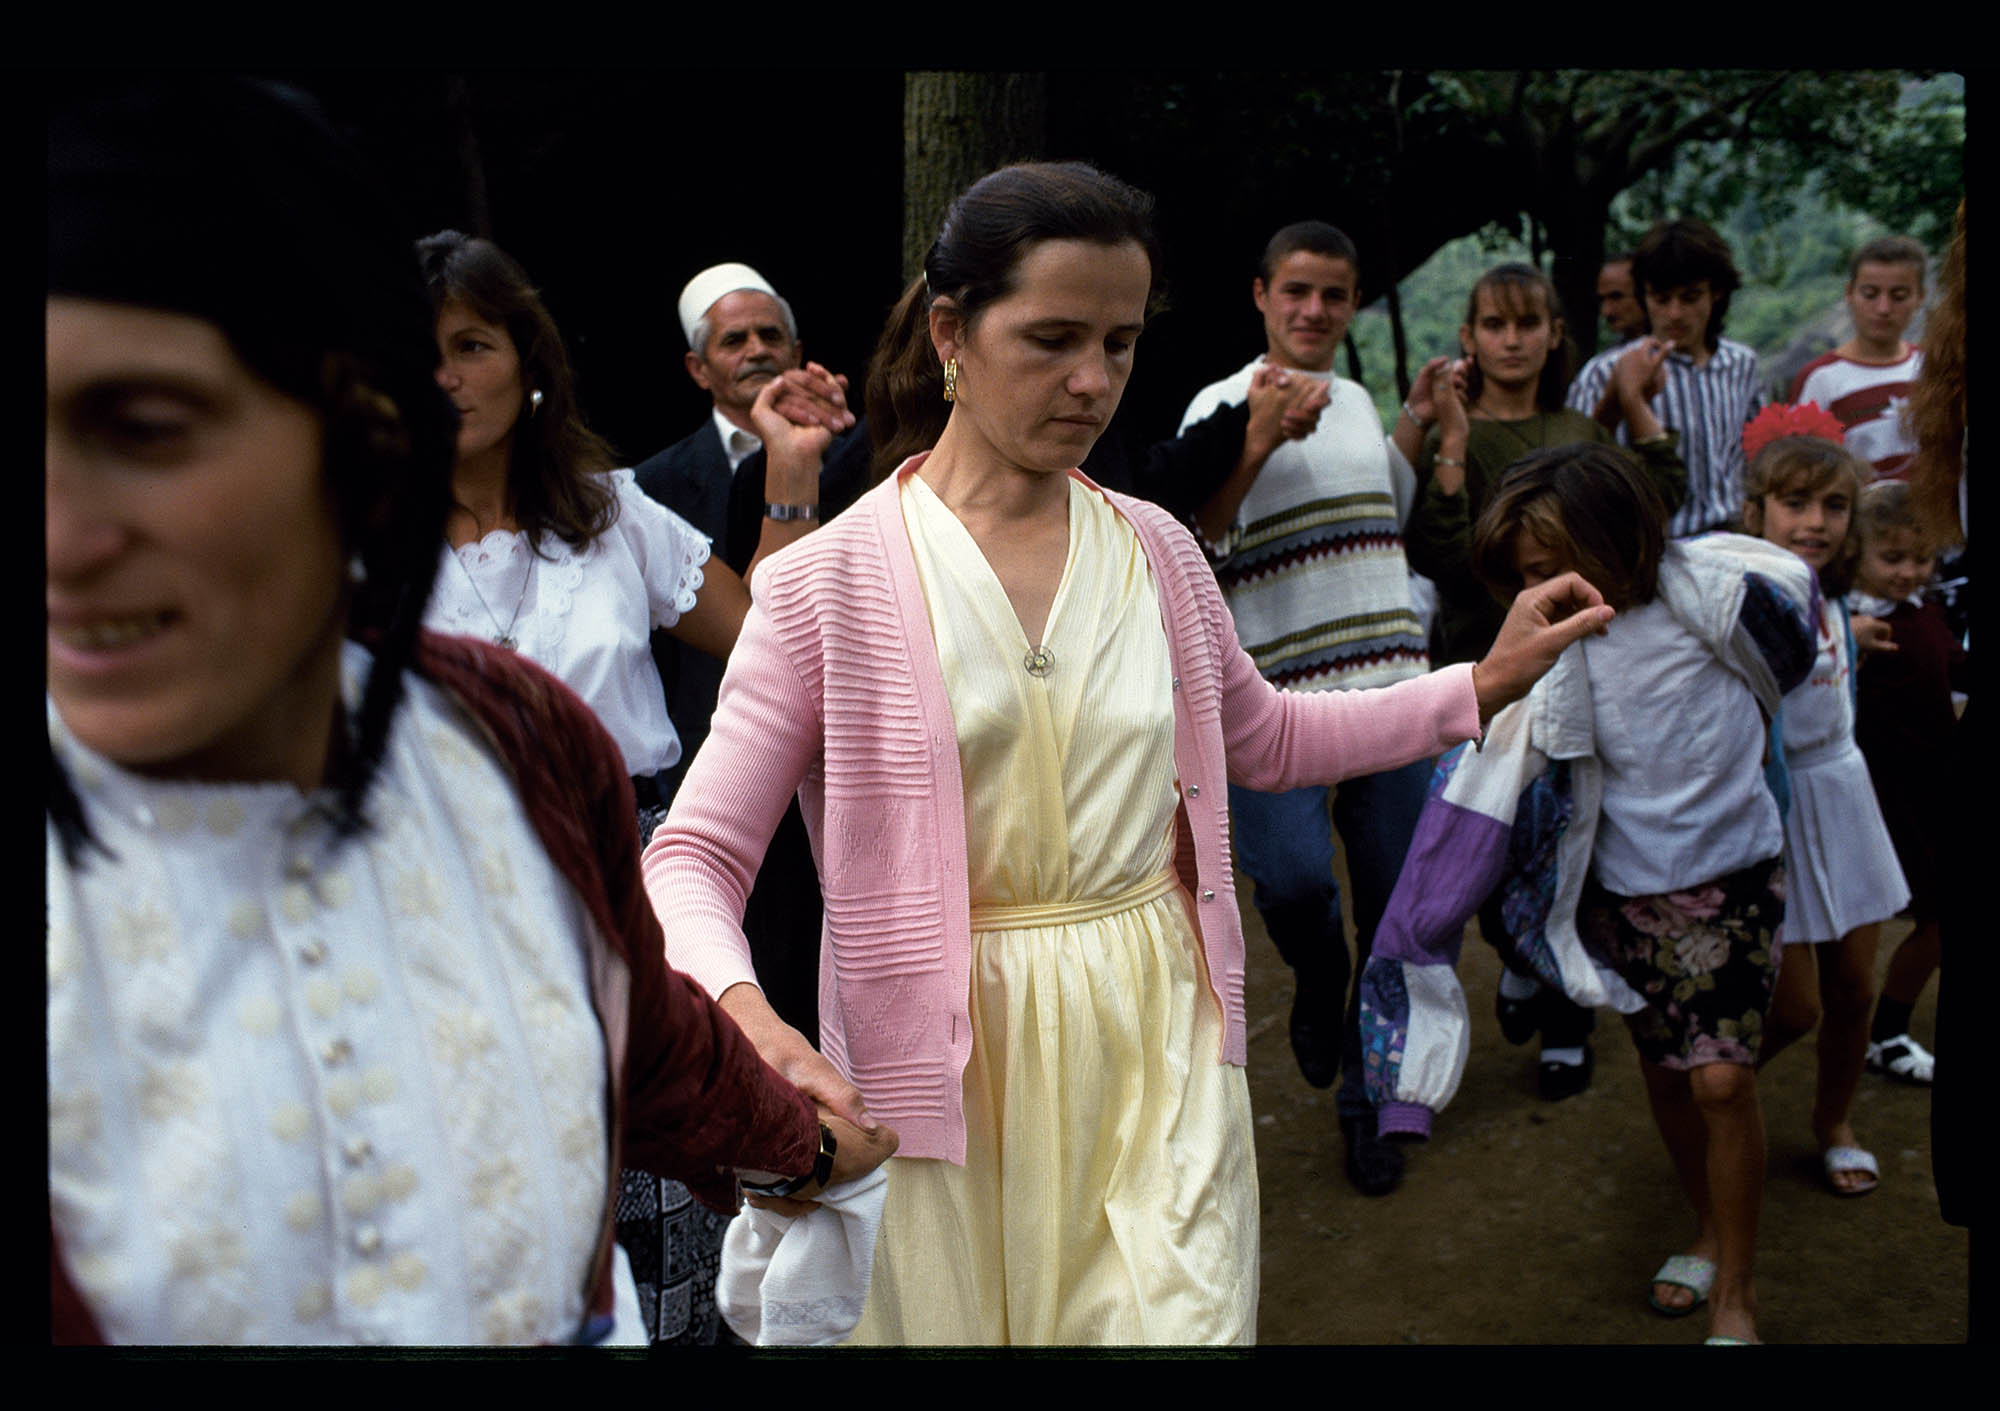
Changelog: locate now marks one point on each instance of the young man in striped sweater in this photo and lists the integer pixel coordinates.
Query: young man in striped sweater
(1710, 386)
(1307, 544)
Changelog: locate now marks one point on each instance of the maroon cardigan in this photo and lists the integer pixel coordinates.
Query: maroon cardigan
(696, 1102)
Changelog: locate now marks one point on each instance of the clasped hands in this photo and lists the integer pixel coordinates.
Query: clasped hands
(1284, 406)
(796, 415)
(861, 1143)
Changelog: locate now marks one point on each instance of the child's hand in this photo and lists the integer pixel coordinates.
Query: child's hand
(1871, 634)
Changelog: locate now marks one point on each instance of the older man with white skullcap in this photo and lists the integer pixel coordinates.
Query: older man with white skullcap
(767, 464)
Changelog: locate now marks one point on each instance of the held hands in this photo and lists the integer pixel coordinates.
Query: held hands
(804, 407)
(1448, 400)
(857, 1151)
(1309, 398)
(1641, 370)
(810, 396)
(797, 414)
(1446, 388)
(1283, 407)
(1422, 400)
(1540, 626)
(861, 1142)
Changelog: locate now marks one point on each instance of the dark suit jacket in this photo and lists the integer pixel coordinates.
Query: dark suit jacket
(692, 478)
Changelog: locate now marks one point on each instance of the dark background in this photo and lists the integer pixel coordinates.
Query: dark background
(612, 189)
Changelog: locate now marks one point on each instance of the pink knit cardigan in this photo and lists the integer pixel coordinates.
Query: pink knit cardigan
(834, 691)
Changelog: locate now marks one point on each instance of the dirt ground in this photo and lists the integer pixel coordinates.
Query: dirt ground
(1523, 1221)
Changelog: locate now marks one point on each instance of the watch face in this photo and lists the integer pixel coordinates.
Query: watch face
(828, 1147)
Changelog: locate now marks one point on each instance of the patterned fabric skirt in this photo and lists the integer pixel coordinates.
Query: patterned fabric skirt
(1704, 959)
(672, 1239)
(675, 1245)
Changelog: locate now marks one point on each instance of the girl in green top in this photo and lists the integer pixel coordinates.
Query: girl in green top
(1486, 410)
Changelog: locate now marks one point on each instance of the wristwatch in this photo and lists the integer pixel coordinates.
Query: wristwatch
(787, 512)
(821, 1173)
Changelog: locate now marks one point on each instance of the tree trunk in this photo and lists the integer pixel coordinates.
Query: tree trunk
(1575, 240)
(956, 128)
(1397, 338)
(472, 166)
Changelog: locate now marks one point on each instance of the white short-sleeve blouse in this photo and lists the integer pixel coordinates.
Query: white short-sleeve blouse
(586, 614)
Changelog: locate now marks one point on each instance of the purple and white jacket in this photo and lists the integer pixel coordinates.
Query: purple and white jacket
(1521, 812)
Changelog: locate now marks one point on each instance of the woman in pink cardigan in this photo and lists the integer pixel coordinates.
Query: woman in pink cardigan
(1009, 703)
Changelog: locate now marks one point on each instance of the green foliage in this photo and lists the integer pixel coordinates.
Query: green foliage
(1795, 169)
(1888, 145)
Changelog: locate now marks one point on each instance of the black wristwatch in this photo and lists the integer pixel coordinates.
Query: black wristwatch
(821, 1173)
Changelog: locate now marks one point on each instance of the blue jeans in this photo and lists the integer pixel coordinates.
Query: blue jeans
(1285, 845)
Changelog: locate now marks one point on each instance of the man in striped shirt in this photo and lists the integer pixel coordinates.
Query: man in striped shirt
(1708, 388)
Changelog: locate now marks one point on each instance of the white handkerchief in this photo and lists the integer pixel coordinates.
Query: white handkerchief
(802, 1281)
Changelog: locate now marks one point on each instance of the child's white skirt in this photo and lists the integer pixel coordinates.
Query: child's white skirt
(1840, 866)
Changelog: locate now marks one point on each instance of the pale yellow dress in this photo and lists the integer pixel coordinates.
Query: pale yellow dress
(1109, 1192)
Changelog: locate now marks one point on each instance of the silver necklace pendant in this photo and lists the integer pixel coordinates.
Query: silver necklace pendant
(1039, 661)
(509, 642)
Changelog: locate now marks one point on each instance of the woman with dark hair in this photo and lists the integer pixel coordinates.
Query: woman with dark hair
(551, 552)
(1010, 704)
(355, 1007)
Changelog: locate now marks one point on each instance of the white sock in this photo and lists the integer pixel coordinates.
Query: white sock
(1567, 1057)
(1514, 986)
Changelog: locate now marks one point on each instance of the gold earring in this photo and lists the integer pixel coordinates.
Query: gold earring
(951, 379)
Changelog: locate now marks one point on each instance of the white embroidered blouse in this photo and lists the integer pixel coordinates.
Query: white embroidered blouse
(310, 1094)
(586, 615)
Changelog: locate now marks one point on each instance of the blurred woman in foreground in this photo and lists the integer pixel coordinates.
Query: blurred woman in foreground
(354, 1005)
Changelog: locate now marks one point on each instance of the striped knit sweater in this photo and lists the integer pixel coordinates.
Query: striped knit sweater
(834, 690)
(1313, 569)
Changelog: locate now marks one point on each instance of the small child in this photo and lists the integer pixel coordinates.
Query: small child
(1799, 493)
(1623, 810)
(1906, 727)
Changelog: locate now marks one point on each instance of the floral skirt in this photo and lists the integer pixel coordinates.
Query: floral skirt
(1703, 959)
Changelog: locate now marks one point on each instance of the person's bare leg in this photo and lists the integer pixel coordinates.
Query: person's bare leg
(1794, 1001)
(1913, 964)
(1726, 1094)
(1847, 1002)
(1686, 1135)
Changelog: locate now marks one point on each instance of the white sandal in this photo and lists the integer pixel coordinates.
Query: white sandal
(1904, 1060)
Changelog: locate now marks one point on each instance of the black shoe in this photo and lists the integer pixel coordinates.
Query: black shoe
(1519, 1018)
(1317, 1011)
(1560, 1080)
(1374, 1167)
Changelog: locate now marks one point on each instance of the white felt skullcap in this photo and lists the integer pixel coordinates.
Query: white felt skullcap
(711, 284)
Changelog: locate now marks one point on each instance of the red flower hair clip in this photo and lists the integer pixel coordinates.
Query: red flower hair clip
(1779, 420)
